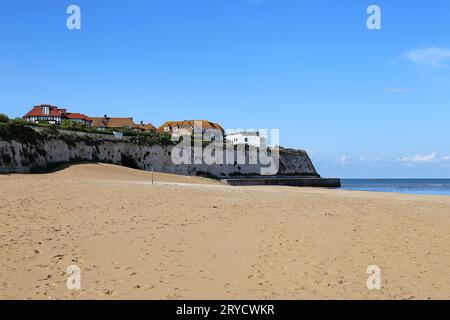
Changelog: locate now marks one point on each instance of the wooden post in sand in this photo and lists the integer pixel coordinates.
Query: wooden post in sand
(152, 174)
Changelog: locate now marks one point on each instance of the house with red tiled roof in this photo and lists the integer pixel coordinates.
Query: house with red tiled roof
(54, 115)
(108, 123)
(192, 126)
(145, 127)
(78, 117)
(45, 113)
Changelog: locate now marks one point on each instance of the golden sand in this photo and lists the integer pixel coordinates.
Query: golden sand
(192, 238)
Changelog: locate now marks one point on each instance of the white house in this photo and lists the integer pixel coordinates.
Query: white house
(251, 138)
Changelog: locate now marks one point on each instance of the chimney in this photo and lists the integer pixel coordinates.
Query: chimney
(142, 123)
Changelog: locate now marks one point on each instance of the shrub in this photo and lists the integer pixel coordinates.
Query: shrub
(20, 133)
(51, 131)
(20, 121)
(149, 138)
(4, 118)
(68, 124)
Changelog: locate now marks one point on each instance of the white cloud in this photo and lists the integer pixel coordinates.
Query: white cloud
(368, 159)
(344, 159)
(446, 158)
(420, 158)
(432, 57)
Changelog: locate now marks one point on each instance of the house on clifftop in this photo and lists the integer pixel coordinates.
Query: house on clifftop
(53, 115)
(190, 127)
(108, 123)
(251, 138)
(145, 127)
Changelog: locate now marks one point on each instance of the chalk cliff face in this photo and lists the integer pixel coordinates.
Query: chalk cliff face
(35, 149)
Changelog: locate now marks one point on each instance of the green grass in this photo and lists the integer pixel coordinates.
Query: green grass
(11, 131)
(21, 131)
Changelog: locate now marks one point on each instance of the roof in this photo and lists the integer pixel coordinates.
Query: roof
(78, 116)
(145, 127)
(244, 133)
(53, 111)
(98, 122)
(192, 124)
(106, 122)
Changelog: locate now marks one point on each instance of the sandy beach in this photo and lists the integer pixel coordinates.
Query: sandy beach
(193, 238)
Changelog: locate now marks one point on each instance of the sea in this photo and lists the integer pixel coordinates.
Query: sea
(408, 186)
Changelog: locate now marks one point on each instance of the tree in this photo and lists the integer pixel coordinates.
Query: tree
(4, 118)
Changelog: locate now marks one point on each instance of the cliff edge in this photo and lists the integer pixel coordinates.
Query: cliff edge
(25, 149)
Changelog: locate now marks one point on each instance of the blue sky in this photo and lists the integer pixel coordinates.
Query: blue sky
(363, 103)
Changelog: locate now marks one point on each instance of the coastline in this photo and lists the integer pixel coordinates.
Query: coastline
(415, 186)
(194, 238)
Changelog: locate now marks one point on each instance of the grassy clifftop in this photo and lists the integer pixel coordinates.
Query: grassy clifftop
(27, 134)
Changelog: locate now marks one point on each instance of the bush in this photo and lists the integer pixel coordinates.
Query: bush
(20, 121)
(20, 133)
(68, 124)
(4, 118)
(149, 138)
(51, 130)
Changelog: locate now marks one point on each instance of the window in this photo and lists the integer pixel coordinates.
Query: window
(246, 139)
(167, 129)
(45, 110)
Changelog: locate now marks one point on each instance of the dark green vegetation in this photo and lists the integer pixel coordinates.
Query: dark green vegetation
(12, 131)
(3, 118)
(21, 131)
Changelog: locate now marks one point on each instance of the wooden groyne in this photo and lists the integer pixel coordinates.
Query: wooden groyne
(284, 181)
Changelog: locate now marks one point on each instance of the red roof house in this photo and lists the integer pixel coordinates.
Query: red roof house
(53, 115)
(78, 117)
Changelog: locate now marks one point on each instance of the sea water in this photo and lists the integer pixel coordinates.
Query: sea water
(409, 186)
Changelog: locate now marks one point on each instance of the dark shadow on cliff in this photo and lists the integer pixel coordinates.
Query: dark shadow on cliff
(59, 167)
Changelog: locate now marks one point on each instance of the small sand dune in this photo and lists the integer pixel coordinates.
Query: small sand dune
(195, 238)
(112, 172)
